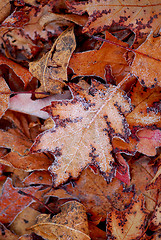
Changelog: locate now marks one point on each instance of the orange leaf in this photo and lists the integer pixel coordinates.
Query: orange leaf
(12, 203)
(128, 224)
(80, 136)
(94, 62)
(148, 69)
(4, 98)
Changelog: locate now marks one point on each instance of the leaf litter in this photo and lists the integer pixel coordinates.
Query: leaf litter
(95, 161)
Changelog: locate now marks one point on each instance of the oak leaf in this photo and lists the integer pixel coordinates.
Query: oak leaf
(148, 67)
(128, 224)
(12, 203)
(94, 62)
(71, 223)
(82, 125)
(51, 69)
(140, 16)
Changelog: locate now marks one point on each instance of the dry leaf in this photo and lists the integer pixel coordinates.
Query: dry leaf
(12, 203)
(94, 62)
(148, 68)
(70, 223)
(128, 224)
(95, 194)
(4, 98)
(149, 140)
(51, 69)
(139, 16)
(5, 8)
(6, 234)
(80, 136)
(38, 177)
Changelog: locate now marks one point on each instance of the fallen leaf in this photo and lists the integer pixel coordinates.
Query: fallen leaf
(149, 140)
(122, 170)
(4, 98)
(5, 8)
(98, 196)
(94, 62)
(128, 224)
(51, 69)
(70, 223)
(146, 105)
(156, 217)
(84, 124)
(24, 104)
(38, 177)
(96, 233)
(139, 16)
(12, 203)
(23, 221)
(6, 234)
(146, 66)
(21, 72)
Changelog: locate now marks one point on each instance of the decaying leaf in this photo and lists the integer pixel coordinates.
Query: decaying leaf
(12, 203)
(6, 234)
(51, 69)
(80, 136)
(4, 98)
(128, 224)
(70, 223)
(148, 69)
(38, 177)
(94, 62)
(95, 194)
(149, 141)
(139, 16)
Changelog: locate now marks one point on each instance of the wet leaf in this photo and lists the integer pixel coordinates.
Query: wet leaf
(128, 224)
(94, 62)
(84, 124)
(70, 223)
(51, 69)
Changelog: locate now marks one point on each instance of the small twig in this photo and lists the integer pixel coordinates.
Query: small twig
(36, 199)
(28, 92)
(127, 48)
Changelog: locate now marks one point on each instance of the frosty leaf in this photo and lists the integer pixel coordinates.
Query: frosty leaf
(51, 69)
(148, 69)
(139, 16)
(70, 223)
(12, 203)
(94, 62)
(82, 127)
(128, 224)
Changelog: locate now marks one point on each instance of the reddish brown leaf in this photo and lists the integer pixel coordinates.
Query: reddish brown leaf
(38, 177)
(128, 224)
(4, 98)
(12, 203)
(148, 69)
(148, 141)
(83, 124)
(139, 16)
(94, 62)
(6, 234)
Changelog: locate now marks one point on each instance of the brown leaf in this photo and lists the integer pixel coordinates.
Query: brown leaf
(5, 8)
(95, 194)
(149, 141)
(140, 16)
(4, 98)
(84, 124)
(6, 234)
(38, 177)
(12, 203)
(51, 69)
(71, 223)
(94, 62)
(147, 68)
(146, 104)
(129, 224)
(96, 233)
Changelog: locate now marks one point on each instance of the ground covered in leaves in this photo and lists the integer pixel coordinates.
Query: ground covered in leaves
(80, 120)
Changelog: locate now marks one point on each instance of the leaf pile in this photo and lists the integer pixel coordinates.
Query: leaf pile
(80, 120)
